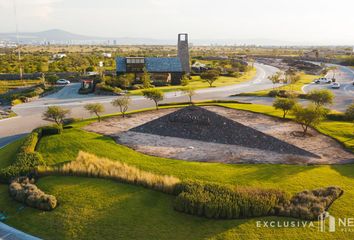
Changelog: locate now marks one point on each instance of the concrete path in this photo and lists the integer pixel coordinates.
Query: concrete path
(9, 233)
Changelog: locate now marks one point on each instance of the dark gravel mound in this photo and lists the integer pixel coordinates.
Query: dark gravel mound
(200, 124)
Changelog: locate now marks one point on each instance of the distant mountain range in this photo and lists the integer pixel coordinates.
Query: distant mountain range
(57, 36)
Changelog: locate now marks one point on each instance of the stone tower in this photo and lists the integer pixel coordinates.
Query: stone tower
(183, 52)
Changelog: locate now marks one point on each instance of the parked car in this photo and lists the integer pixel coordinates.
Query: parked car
(323, 80)
(335, 85)
(63, 82)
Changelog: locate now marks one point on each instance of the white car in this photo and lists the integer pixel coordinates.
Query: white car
(335, 85)
(323, 80)
(63, 82)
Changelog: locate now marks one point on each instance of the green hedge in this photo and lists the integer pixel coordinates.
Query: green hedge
(30, 142)
(49, 130)
(27, 158)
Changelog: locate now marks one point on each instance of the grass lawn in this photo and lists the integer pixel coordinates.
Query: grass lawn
(297, 87)
(102, 209)
(198, 83)
(8, 153)
(6, 85)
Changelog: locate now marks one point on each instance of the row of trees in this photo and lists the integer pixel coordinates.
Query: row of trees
(58, 114)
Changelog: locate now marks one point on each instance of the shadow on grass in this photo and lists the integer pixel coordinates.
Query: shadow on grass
(272, 172)
(346, 170)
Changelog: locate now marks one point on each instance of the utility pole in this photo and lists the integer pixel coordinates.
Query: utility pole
(18, 41)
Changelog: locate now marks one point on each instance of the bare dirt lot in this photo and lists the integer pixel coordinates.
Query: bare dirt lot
(328, 150)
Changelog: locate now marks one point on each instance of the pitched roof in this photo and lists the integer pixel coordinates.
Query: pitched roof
(153, 65)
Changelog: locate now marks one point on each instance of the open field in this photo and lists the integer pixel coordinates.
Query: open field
(198, 83)
(97, 209)
(297, 87)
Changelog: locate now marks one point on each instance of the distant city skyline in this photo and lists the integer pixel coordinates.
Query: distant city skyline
(297, 22)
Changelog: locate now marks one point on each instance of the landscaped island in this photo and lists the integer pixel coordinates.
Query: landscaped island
(116, 204)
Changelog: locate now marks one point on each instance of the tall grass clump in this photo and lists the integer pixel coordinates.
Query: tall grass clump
(227, 202)
(309, 204)
(89, 165)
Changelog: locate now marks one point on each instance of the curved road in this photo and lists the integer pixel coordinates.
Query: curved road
(344, 96)
(30, 114)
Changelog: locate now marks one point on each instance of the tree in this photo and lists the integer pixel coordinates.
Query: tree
(334, 71)
(309, 116)
(210, 76)
(285, 104)
(321, 97)
(122, 103)
(275, 78)
(154, 94)
(190, 92)
(56, 114)
(95, 108)
(146, 79)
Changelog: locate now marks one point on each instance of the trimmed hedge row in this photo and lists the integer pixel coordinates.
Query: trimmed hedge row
(227, 202)
(48, 130)
(27, 158)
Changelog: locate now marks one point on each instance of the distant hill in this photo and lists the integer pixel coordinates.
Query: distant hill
(56, 35)
(59, 36)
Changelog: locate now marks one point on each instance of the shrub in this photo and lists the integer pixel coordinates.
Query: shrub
(349, 113)
(226, 202)
(309, 204)
(11, 172)
(29, 159)
(101, 87)
(137, 86)
(51, 130)
(24, 191)
(273, 93)
(336, 116)
(15, 102)
(92, 166)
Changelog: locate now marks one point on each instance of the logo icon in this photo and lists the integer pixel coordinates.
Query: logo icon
(327, 223)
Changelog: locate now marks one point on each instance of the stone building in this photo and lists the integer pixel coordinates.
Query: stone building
(162, 69)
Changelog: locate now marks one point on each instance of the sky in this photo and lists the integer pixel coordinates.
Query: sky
(293, 21)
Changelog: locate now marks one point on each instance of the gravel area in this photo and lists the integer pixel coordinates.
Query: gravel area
(201, 124)
(327, 149)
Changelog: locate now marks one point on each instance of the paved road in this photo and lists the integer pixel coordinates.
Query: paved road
(343, 96)
(30, 114)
